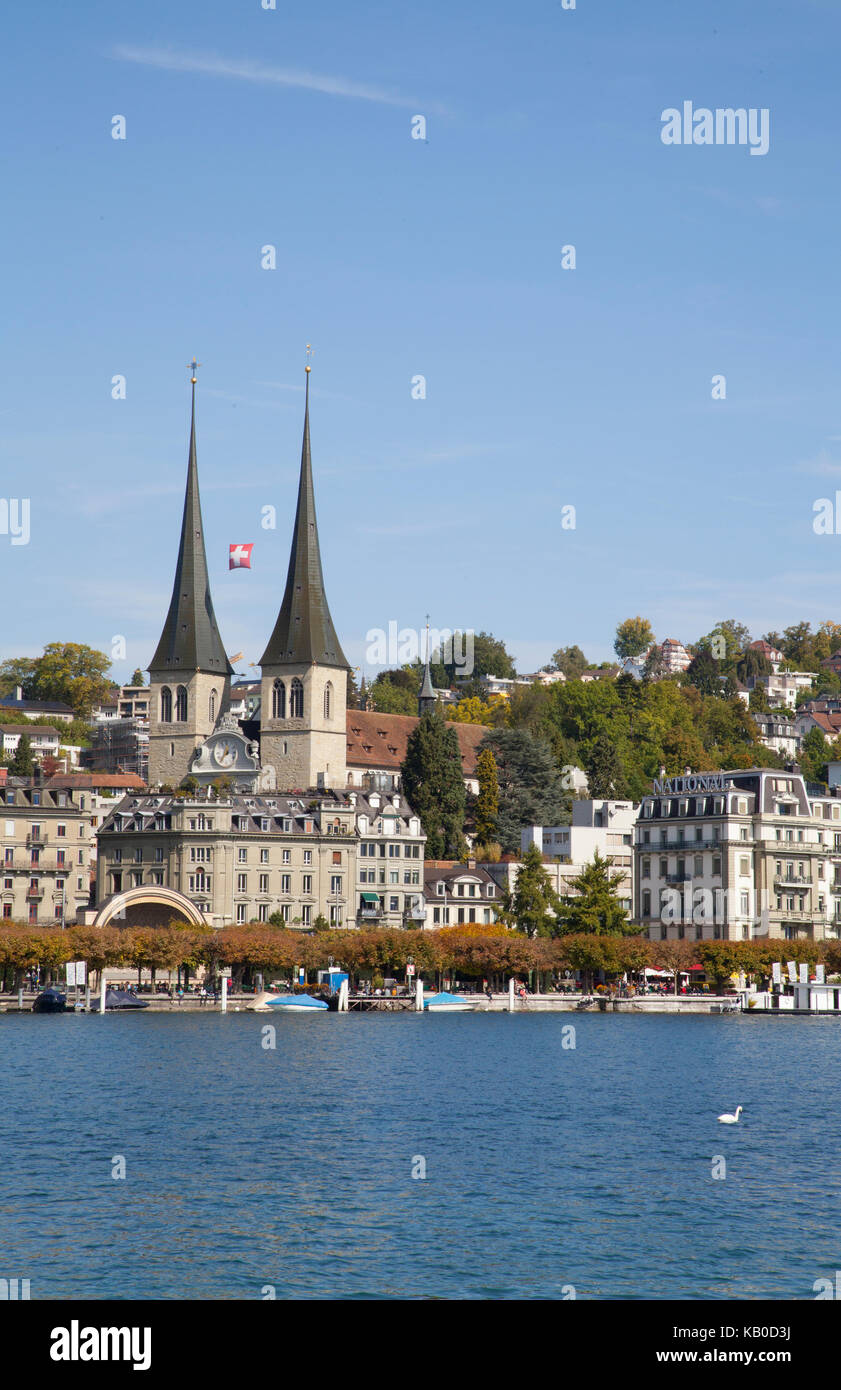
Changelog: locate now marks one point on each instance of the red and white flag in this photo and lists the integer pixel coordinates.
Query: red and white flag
(239, 556)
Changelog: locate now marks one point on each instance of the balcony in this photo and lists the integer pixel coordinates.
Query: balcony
(678, 878)
(34, 894)
(795, 881)
(34, 839)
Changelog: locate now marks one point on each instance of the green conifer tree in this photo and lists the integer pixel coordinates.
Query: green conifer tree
(487, 801)
(23, 763)
(434, 785)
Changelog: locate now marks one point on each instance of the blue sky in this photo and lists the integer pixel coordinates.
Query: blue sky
(588, 387)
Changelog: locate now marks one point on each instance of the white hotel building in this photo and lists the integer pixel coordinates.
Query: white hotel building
(737, 856)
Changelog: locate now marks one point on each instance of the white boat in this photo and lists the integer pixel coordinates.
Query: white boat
(286, 1003)
(445, 1003)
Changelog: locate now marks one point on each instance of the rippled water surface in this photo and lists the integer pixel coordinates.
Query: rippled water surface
(546, 1166)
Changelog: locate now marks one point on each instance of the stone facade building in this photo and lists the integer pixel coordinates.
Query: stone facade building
(45, 851)
(346, 857)
(737, 856)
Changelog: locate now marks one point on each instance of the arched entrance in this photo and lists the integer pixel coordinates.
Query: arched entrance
(148, 906)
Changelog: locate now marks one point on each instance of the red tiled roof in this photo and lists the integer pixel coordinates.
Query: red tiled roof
(86, 780)
(385, 737)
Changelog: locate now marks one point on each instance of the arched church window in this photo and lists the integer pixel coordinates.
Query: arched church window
(296, 700)
(278, 700)
(328, 699)
(166, 705)
(181, 704)
(212, 705)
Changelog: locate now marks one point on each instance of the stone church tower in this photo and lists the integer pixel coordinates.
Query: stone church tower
(303, 733)
(189, 675)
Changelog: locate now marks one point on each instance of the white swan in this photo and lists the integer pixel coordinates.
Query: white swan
(731, 1119)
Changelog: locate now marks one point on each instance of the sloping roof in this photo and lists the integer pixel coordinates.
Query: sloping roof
(304, 633)
(190, 640)
(41, 706)
(29, 729)
(379, 740)
(92, 780)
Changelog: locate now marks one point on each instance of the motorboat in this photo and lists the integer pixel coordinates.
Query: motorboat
(446, 1003)
(119, 999)
(286, 1003)
(50, 1001)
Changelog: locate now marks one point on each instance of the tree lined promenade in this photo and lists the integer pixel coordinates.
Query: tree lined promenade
(470, 952)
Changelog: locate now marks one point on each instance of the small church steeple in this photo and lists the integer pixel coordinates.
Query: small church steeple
(427, 697)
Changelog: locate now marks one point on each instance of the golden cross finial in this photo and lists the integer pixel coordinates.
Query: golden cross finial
(193, 365)
(308, 367)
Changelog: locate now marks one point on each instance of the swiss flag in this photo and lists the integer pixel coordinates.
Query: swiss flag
(239, 556)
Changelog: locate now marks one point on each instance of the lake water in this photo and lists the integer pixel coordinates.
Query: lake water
(545, 1166)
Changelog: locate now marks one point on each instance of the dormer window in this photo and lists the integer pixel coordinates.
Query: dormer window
(440, 889)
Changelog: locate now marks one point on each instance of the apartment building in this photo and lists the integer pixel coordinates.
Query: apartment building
(45, 851)
(456, 894)
(43, 739)
(341, 856)
(780, 732)
(597, 825)
(739, 855)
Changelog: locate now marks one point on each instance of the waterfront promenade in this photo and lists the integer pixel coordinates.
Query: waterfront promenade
(499, 1003)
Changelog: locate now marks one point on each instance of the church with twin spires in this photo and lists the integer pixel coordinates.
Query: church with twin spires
(307, 737)
(303, 725)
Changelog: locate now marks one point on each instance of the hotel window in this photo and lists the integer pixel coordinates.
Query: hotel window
(394, 851)
(8, 883)
(159, 856)
(7, 909)
(307, 884)
(745, 902)
(264, 883)
(263, 912)
(717, 865)
(336, 915)
(307, 856)
(138, 879)
(306, 915)
(683, 808)
(242, 856)
(242, 883)
(264, 856)
(646, 903)
(286, 857)
(264, 824)
(337, 856)
(394, 876)
(284, 911)
(665, 808)
(158, 877)
(394, 905)
(664, 868)
(698, 865)
(118, 882)
(60, 859)
(240, 912)
(61, 831)
(743, 834)
(744, 866)
(336, 883)
(286, 883)
(138, 855)
(699, 833)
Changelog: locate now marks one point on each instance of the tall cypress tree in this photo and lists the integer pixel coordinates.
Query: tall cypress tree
(487, 802)
(434, 785)
(22, 764)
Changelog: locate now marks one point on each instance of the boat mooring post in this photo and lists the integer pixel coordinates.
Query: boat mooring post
(102, 991)
(419, 996)
(87, 996)
(343, 997)
(224, 994)
(511, 995)
(20, 1000)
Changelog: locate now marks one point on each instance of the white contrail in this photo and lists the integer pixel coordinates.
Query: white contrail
(246, 70)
